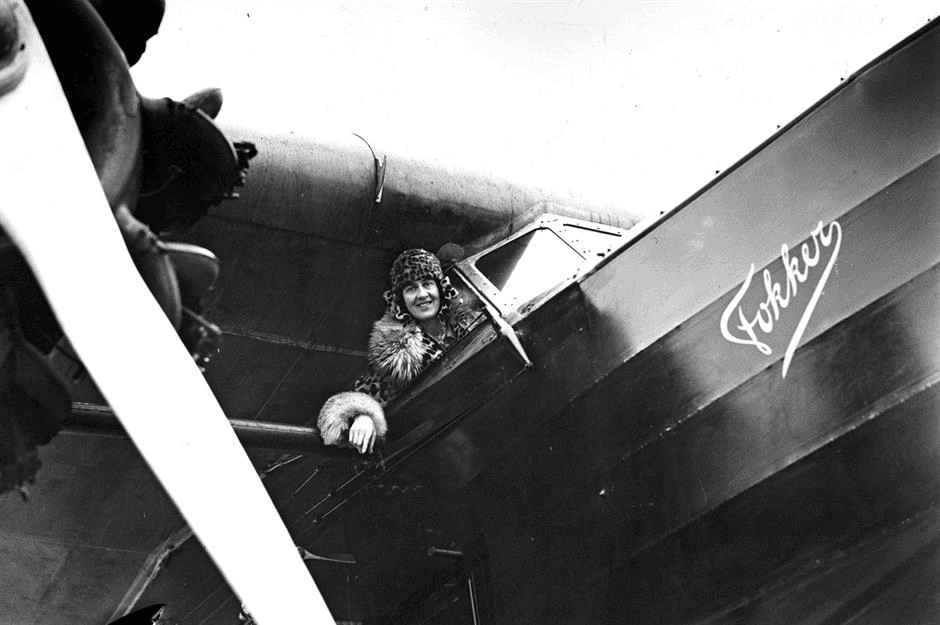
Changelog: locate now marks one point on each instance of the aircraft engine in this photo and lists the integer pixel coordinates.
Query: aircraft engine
(161, 165)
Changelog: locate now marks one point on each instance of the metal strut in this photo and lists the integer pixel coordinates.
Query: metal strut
(498, 322)
(378, 177)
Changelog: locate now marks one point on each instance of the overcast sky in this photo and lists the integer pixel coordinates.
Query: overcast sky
(633, 103)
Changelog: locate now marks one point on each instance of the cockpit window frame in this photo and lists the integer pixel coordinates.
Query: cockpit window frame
(591, 254)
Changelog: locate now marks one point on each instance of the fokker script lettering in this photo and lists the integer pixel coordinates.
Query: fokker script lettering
(760, 321)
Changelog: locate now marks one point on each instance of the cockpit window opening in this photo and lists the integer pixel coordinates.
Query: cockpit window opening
(514, 274)
(529, 265)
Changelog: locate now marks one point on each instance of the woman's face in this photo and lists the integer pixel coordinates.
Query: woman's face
(422, 299)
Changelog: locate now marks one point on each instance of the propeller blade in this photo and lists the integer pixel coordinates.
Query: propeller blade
(54, 209)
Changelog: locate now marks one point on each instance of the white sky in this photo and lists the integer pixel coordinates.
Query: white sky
(631, 103)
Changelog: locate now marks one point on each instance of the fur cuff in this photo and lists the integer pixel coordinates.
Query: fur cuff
(340, 410)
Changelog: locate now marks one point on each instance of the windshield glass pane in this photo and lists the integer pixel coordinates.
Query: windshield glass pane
(529, 265)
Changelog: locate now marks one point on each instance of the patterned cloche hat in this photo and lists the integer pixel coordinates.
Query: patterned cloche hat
(410, 266)
(414, 264)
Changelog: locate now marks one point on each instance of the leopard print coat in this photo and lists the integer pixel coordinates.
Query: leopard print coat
(400, 350)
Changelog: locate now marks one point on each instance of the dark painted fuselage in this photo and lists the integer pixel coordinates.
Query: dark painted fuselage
(732, 419)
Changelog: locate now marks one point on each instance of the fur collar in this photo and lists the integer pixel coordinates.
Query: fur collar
(399, 351)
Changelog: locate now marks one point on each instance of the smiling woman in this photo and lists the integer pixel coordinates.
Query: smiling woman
(423, 301)
(425, 315)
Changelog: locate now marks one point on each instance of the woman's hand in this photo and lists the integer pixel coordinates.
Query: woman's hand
(362, 434)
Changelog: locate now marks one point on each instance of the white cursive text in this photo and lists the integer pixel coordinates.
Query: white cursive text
(779, 296)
